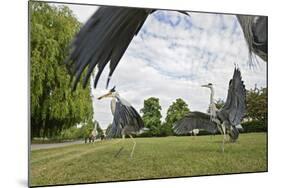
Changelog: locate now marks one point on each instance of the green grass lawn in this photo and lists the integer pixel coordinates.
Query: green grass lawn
(153, 158)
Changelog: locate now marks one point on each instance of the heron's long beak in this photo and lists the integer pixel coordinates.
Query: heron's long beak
(104, 96)
(205, 86)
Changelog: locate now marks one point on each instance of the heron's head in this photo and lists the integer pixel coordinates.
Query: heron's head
(111, 93)
(209, 85)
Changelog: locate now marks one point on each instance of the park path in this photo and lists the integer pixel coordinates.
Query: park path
(54, 145)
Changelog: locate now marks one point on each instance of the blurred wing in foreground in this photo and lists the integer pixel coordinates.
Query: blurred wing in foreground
(104, 38)
(255, 29)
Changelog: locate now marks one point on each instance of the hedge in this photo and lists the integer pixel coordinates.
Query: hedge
(254, 126)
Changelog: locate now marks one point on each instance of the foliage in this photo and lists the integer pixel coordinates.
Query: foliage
(176, 111)
(53, 106)
(152, 116)
(86, 129)
(71, 133)
(98, 129)
(254, 126)
(257, 104)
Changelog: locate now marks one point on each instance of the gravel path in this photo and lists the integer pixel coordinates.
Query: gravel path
(55, 145)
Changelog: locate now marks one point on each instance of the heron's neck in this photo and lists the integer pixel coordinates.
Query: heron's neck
(212, 107)
(116, 96)
(212, 96)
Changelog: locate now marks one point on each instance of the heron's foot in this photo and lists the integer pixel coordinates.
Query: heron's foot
(117, 154)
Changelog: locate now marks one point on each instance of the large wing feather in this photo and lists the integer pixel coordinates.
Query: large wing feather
(235, 106)
(195, 120)
(105, 37)
(255, 32)
(125, 115)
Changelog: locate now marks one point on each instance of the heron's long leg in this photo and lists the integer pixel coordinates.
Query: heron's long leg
(133, 146)
(122, 147)
(223, 131)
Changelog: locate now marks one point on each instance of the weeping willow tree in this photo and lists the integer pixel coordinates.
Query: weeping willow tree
(54, 106)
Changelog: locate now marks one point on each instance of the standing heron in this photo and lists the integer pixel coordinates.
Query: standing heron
(107, 34)
(126, 120)
(225, 120)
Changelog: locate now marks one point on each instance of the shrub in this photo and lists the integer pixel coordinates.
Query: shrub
(254, 126)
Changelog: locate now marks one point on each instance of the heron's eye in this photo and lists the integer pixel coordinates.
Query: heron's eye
(113, 89)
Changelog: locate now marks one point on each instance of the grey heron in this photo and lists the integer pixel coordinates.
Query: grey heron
(225, 120)
(106, 35)
(126, 120)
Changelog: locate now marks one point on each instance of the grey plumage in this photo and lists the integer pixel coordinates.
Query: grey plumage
(195, 120)
(225, 120)
(255, 30)
(107, 34)
(234, 108)
(233, 133)
(126, 120)
(104, 38)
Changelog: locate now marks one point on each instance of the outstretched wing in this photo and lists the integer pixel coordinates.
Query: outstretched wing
(125, 115)
(195, 120)
(105, 37)
(255, 32)
(235, 106)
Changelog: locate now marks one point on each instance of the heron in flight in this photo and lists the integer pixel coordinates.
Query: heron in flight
(106, 35)
(126, 120)
(225, 120)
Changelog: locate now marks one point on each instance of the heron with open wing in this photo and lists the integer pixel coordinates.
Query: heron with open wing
(126, 120)
(225, 120)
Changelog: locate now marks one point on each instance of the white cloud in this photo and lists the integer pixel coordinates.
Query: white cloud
(170, 62)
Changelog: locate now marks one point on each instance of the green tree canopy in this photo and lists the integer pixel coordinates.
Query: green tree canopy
(152, 115)
(176, 111)
(53, 105)
(86, 129)
(256, 101)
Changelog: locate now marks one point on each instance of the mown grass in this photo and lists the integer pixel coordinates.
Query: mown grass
(153, 158)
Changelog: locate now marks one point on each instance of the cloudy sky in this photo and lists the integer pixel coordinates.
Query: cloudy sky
(172, 56)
